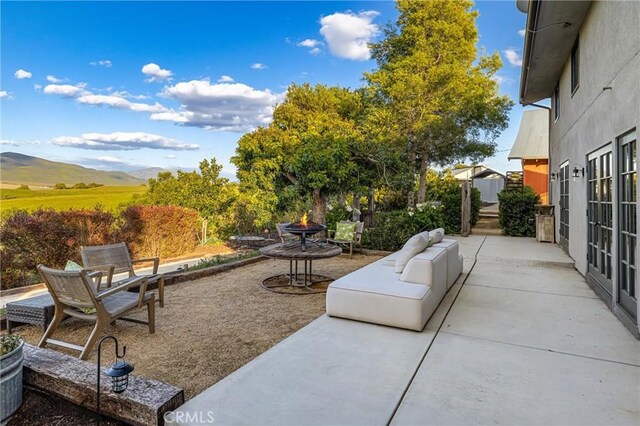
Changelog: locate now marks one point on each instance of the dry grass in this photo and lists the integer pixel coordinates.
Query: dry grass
(212, 326)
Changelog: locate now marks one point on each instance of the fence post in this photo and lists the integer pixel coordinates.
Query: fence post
(465, 228)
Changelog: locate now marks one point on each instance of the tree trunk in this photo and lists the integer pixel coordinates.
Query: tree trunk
(319, 207)
(422, 187)
(411, 202)
(465, 210)
(371, 206)
(356, 208)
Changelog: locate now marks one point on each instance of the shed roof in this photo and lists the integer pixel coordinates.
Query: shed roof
(532, 141)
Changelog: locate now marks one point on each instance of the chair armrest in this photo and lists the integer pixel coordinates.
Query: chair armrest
(140, 281)
(95, 274)
(156, 262)
(109, 269)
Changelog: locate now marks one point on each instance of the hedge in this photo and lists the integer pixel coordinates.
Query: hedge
(451, 199)
(517, 212)
(53, 237)
(392, 229)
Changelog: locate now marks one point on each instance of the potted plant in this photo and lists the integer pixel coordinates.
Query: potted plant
(11, 357)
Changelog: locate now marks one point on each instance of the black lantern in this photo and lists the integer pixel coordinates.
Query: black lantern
(554, 175)
(578, 171)
(118, 373)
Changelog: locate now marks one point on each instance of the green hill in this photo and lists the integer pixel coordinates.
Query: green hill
(18, 168)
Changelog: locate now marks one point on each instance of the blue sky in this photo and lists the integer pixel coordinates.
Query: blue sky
(123, 86)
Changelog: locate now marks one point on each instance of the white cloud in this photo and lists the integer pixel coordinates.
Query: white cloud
(258, 66)
(22, 74)
(309, 42)
(348, 34)
(513, 57)
(116, 101)
(103, 63)
(315, 51)
(522, 32)
(225, 79)
(170, 157)
(4, 94)
(65, 90)
(9, 142)
(122, 141)
(232, 107)
(155, 73)
(53, 79)
(37, 86)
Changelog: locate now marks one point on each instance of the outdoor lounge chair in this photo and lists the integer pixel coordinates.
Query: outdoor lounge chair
(98, 258)
(351, 238)
(284, 236)
(74, 294)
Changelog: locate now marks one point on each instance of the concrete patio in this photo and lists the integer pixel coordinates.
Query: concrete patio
(519, 339)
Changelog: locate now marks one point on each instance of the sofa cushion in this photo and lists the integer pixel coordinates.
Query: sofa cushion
(345, 230)
(413, 246)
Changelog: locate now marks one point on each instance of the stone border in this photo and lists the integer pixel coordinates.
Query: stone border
(143, 403)
(171, 278)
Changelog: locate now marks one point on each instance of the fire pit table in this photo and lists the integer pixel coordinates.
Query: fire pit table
(294, 252)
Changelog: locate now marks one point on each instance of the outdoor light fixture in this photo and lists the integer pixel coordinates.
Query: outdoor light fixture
(554, 175)
(578, 171)
(118, 373)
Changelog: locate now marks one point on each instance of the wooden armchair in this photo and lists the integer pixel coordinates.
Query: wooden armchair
(343, 240)
(74, 294)
(284, 235)
(99, 258)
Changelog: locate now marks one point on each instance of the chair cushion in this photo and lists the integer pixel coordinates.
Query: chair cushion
(345, 230)
(72, 266)
(121, 302)
(413, 246)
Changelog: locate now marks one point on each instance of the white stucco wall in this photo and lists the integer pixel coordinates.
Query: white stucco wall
(593, 117)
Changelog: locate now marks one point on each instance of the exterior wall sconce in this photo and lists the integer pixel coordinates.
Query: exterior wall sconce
(554, 176)
(578, 171)
(118, 373)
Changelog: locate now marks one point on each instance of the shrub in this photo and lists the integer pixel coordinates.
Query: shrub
(451, 198)
(9, 343)
(48, 237)
(337, 214)
(517, 212)
(80, 185)
(59, 186)
(392, 229)
(24, 187)
(163, 231)
(95, 185)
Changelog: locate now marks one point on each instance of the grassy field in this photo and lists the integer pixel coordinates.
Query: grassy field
(109, 197)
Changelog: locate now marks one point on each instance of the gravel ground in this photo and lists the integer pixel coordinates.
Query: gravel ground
(212, 326)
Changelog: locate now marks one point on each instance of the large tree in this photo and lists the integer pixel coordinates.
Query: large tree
(439, 91)
(308, 148)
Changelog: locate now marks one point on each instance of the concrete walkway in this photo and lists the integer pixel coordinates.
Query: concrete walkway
(519, 339)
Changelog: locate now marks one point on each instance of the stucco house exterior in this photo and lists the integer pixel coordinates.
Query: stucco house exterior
(585, 57)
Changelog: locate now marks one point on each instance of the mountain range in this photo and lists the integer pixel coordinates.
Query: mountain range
(24, 169)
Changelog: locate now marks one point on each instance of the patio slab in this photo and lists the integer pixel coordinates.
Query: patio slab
(575, 325)
(314, 376)
(525, 251)
(466, 380)
(561, 281)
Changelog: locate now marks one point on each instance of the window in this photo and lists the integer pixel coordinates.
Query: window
(564, 204)
(556, 103)
(575, 66)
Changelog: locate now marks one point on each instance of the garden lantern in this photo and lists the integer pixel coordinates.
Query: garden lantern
(118, 373)
(578, 171)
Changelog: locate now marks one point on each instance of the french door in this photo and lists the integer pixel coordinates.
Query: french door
(627, 176)
(600, 216)
(563, 180)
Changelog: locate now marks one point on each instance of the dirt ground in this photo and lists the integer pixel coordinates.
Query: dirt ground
(212, 326)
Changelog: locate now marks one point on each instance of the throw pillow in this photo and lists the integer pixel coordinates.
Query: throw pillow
(436, 235)
(413, 246)
(345, 230)
(72, 266)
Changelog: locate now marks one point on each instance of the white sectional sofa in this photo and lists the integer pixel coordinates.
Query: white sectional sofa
(407, 299)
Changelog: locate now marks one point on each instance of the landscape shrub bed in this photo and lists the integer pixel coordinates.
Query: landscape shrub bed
(52, 237)
(392, 229)
(517, 212)
(451, 199)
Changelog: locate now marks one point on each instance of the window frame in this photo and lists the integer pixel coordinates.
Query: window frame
(575, 67)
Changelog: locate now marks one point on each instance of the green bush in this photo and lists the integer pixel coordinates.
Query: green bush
(59, 186)
(336, 214)
(517, 212)
(80, 185)
(392, 229)
(451, 198)
(24, 187)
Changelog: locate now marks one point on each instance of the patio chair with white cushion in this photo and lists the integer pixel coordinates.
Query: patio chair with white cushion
(74, 294)
(96, 257)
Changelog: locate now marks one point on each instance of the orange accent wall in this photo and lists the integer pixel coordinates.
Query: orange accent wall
(536, 175)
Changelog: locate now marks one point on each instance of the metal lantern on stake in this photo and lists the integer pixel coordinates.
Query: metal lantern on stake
(118, 373)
